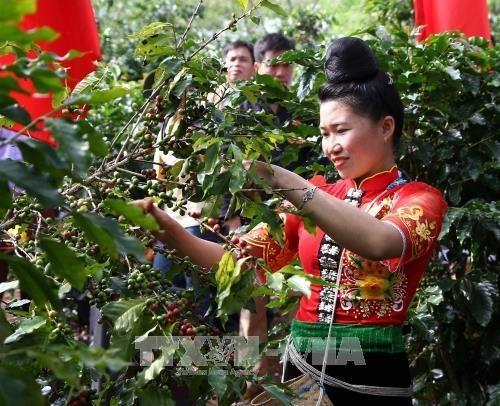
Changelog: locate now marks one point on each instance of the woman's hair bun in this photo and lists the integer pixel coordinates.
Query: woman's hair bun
(350, 59)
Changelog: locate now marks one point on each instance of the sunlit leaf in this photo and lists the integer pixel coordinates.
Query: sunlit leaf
(300, 284)
(5, 286)
(243, 4)
(26, 327)
(97, 96)
(133, 213)
(274, 7)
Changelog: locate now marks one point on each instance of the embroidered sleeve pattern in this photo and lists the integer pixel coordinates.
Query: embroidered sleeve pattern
(422, 232)
(262, 245)
(418, 217)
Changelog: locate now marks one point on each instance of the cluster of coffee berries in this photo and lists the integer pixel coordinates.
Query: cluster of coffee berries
(188, 329)
(146, 280)
(103, 293)
(172, 144)
(241, 245)
(60, 330)
(149, 173)
(212, 223)
(80, 204)
(155, 114)
(175, 308)
(25, 209)
(76, 240)
(82, 398)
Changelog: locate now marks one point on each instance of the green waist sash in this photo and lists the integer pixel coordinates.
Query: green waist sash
(313, 336)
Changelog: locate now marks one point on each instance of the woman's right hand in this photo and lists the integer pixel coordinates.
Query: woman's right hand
(202, 253)
(162, 218)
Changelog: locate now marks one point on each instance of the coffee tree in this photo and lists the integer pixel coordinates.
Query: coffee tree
(95, 245)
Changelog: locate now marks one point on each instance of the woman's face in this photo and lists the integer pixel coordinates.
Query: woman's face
(356, 145)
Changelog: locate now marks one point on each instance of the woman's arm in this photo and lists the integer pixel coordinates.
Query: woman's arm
(350, 227)
(202, 253)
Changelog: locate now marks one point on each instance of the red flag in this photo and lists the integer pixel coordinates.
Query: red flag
(74, 21)
(467, 16)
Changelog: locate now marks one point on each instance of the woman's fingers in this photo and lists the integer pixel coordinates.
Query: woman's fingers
(145, 204)
(161, 217)
(247, 163)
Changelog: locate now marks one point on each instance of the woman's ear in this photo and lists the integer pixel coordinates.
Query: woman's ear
(387, 125)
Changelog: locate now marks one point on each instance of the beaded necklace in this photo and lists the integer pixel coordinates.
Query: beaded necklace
(330, 253)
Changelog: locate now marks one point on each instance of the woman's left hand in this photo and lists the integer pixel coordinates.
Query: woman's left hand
(265, 171)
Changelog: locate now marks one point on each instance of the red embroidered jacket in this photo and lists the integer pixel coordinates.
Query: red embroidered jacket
(370, 292)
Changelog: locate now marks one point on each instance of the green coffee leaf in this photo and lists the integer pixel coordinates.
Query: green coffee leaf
(243, 4)
(115, 310)
(17, 384)
(26, 327)
(152, 395)
(72, 147)
(274, 7)
(97, 96)
(299, 284)
(133, 213)
(43, 157)
(5, 327)
(16, 9)
(109, 236)
(16, 114)
(64, 262)
(31, 280)
(5, 198)
(128, 319)
(32, 181)
(482, 302)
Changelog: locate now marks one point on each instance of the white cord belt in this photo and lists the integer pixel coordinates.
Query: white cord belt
(305, 368)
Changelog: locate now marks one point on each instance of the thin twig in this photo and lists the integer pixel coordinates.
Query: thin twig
(11, 139)
(219, 33)
(91, 196)
(188, 28)
(142, 113)
(130, 172)
(13, 240)
(38, 227)
(163, 164)
(128, 262)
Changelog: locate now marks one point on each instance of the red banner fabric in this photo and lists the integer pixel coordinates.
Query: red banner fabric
(467, 16)
(74, 21)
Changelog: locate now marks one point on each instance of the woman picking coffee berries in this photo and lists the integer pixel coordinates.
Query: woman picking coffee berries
(375, 234)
